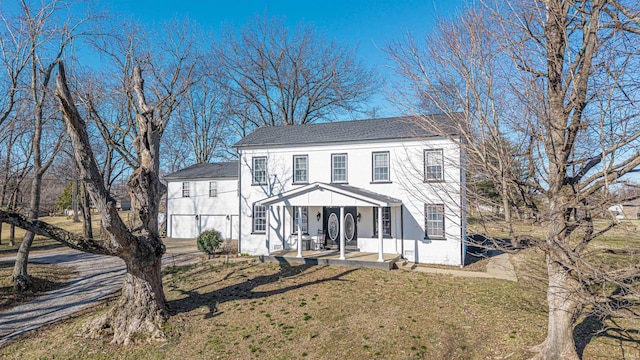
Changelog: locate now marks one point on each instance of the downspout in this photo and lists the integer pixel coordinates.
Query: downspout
(402, 232)
(239, 192)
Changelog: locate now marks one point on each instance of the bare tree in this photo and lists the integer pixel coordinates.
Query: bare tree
(14, 59)
(142, 306)
(278, 76)
(17, 162)
(41, 34)
(202, 119)
(543, 96)
(171, 62)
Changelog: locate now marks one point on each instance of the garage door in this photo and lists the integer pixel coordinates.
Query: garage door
(184, 227)
(216, 222)
(235, 227)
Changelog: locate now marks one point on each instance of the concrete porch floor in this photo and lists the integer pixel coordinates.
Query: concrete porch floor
(331, 257)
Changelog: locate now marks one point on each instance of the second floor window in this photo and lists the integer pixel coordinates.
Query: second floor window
(300, 169)
(433, 165)
(213, 189)
(185, 189)
(339, 168)
(380, 166)
(260, 170)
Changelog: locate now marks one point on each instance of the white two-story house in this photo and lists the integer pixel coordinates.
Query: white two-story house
(203, 197)
(386, 186)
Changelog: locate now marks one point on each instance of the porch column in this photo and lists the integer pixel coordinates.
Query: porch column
(299, 225)
(380, 238)
(268, 230)
(342, 233)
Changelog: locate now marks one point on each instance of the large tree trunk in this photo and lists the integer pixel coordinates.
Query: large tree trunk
(563, 307)
(142, 307)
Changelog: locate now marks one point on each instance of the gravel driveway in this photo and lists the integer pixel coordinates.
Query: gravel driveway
(98, 277)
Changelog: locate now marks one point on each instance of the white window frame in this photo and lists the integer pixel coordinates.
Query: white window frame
(386, 221)
(296, 170)
(334, 179)
(305, 220)
(433, 165)
(213, 189)
(434, 221)
(375, 165)
(259, 174)
(259, 219)
(186, 189)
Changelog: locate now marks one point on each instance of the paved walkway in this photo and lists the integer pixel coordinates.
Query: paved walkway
(499, 267)
(98, 278)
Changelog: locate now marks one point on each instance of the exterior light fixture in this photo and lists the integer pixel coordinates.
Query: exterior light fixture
(359, 216)
(318, 216)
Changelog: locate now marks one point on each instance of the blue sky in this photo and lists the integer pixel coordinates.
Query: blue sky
(367, 25)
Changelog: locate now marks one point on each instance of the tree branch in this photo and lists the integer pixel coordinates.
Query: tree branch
(56, 233)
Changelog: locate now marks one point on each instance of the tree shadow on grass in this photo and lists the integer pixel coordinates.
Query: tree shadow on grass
(37, 246)
(41, 283)
(592, 327)
(246, 289)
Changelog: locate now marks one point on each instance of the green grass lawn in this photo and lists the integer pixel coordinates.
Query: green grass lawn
(270, 311)
(42, 243)
(250, 310)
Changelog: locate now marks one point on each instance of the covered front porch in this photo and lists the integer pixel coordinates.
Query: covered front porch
(327, 220)
(332, 257)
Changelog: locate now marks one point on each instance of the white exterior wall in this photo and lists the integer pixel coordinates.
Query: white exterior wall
(406, 184)
(189, 216)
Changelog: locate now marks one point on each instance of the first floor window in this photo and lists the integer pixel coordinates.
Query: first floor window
(185, 189)
(259, 219)
(386, 221)
(305, 220)
(213, 189)
(434, 221)
(300, 168)
(433, 165)
(380, 167)
(339, 168)
(259, 170)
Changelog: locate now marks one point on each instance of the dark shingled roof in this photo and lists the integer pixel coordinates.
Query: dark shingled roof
(222, 170)
(406, 127)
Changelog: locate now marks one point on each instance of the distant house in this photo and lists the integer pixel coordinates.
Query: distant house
(631, 210)
(203, 197)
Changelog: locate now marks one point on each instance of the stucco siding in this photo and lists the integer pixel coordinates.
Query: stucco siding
(189, 216)
(406, 183)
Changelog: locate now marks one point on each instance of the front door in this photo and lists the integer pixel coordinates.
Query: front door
(331, 222)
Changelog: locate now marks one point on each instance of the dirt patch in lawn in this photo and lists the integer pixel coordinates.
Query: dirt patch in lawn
(45, 277)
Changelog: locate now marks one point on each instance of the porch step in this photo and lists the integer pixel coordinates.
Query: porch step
(387, 265)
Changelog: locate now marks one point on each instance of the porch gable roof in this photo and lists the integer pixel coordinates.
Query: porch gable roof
(296, 197)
